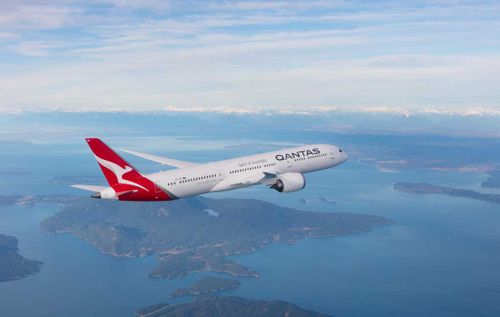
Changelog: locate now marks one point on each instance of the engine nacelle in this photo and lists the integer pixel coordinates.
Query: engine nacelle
(289, 182)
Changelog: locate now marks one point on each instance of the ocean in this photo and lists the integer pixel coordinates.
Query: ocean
(439, 258)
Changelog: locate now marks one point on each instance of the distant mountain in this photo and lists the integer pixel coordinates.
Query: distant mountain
(12, 265)
(187, 238)
(227, 307)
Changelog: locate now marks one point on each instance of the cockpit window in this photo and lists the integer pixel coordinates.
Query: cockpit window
(340, 150)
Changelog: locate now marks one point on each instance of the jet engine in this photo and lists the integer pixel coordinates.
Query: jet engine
(289, 182)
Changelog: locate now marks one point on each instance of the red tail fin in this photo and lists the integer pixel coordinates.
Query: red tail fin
(125, 180)
(113, 166)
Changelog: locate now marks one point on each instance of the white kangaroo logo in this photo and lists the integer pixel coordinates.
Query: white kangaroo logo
(118, 171)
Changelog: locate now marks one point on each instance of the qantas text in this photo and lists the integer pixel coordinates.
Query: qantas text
(298, 154)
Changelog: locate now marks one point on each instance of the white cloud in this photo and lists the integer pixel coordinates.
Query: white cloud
(152, 5)
(32, 48)
(24, 17)
(249, 53)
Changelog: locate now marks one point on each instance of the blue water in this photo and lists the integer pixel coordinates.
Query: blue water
(440, 258)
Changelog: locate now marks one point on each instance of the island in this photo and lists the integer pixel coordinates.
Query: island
(424, 188)
(321, 199)
(198, 234)
(12, 265)
(227, 306)
(207, 285)
(31, 200)
(493, 180)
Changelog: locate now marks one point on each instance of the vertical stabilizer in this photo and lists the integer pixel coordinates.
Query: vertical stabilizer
(113, 166)
(126, 182)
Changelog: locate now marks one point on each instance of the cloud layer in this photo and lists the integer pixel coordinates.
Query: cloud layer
(152, 54)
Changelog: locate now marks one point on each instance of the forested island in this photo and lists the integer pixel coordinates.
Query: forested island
(197, 234)
(227, 306)
(207, 285)
(12, 265)
(424, 188)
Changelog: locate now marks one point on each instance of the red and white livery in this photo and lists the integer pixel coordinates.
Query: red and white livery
(281, 170)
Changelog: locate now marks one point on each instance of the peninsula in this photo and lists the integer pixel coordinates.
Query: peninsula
(12, 265)
(198, 234)
(225, 307)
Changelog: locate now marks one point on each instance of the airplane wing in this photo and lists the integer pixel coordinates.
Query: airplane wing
(162, 160)
(238, 180)
(269, 178)
(263, 177)
(92, 188)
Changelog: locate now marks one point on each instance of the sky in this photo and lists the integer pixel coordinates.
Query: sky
(316, 54)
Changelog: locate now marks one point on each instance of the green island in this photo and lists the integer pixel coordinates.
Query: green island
(424, 188)
(207, 285)
(227, 306)
(12, 265)
(198, 234)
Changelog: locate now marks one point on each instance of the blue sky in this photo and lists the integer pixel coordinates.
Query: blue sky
(151, 54)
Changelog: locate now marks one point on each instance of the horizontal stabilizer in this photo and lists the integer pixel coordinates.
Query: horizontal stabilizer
(162, 160)
(92, 188)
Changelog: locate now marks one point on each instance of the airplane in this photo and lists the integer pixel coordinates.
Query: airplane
(281, 170)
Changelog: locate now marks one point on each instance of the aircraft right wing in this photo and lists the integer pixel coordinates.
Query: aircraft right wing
(238, 180)
(162, 160)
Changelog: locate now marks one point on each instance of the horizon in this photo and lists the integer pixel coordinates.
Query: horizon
(403, 112)
(463, 124)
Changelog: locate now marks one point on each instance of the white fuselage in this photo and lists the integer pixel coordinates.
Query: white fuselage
(242, 171)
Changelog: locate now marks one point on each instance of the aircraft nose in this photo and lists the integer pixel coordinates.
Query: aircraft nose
(342, 155)
(342, 158)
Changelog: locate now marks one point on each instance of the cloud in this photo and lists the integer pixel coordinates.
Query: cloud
(212, 213)
(149, 54)
(32, 48)
(150, 5)
(32, 16)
